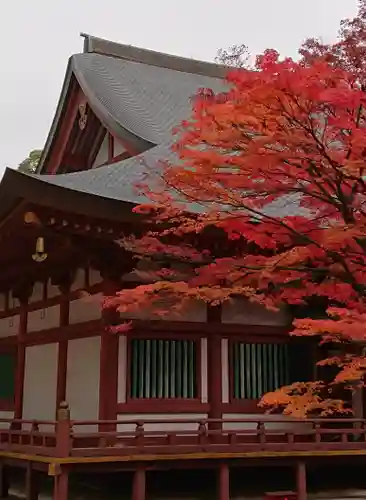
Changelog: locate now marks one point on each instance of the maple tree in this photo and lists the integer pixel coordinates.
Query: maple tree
(266, 202)
(236, 55)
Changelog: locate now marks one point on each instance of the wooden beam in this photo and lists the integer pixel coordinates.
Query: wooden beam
(62, 346)
(132, 151)
(62, 136)
(110, 147)
(73, 161)
(20, 366)
(61, 372)
(214, 363)
(120, 157)
(108, 384)
(97, 143)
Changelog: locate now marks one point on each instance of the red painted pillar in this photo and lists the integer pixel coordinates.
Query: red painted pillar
(20, 366)
(62, 347)
(108, 384)
(31, 483)
(63, 431)
(4, 481)
(224, 482)
(214, 363)
(301, 481)
(61, 486)
(139, 483)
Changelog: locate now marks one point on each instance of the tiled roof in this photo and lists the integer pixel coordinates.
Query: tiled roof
(146, 100)
(143, 94)
(116, 181)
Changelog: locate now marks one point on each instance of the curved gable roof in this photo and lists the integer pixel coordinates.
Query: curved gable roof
(116, 181)
(140, 95)
(146, 100)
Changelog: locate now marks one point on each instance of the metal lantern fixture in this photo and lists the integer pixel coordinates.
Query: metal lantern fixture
(39, 255)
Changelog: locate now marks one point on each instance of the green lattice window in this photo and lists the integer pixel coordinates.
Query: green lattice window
(7, 376)
(258, 368)
(163, 369)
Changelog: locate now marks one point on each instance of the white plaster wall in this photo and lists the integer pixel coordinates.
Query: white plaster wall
(9, 326)
(118, 148)
(37, 293)
(94, 277)
(242, 312)
(79, 280)
(40, 382)
(7, 415)
(52, 290)
(82, 381)
(13, 302)
(122, 369)
(86, 309)
(275, 422)
(102, 155)
(164, 425)
(43, 319)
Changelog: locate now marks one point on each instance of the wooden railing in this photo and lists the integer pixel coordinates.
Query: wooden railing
(66, 438)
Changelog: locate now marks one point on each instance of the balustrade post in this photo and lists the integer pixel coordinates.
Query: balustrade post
(261, 432)
(139, 433)
(318, 436)
(63, 431)
(301, 481)
(203, 437)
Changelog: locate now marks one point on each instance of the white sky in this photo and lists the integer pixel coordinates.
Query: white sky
(38, 36)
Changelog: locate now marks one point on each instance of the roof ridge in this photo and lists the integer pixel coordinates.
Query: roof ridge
(152, 57)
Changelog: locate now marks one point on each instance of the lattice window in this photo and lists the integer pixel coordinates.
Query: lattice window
(258, 368)
(163, 369)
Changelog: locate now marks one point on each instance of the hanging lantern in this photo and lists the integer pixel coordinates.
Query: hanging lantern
(39, 255)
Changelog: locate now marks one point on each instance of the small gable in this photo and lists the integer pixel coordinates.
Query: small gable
(81, 141)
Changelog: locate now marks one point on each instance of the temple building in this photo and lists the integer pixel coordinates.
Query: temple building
(172, 393)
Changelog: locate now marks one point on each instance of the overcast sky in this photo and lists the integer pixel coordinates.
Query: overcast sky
(38, 36)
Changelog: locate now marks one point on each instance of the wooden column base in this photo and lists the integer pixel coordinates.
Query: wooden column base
(301, 481)
(224, 482)
(4, 481)
(139, 484)
(61, 486)
(31, 483)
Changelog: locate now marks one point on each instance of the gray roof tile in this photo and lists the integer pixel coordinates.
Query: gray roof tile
(116, 181)
(146, 100)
